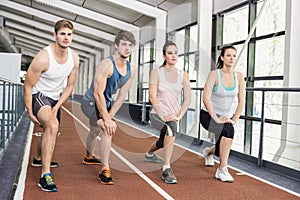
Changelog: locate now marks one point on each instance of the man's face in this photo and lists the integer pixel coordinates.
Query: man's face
(124, 48)
(64, 37)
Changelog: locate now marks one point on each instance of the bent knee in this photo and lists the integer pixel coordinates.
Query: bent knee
(228, 131)
(53, 127)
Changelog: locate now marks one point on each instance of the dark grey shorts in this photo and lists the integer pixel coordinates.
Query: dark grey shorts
(165, 128)
(88, 108)
(39, 100)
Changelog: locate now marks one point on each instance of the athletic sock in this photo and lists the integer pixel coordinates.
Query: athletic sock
(149, 154)
(166, 167)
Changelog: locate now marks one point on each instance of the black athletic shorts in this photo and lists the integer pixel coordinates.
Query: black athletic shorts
(39, 100)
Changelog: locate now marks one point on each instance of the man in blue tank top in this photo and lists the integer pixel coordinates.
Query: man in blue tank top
(45, 92)
(113, 73)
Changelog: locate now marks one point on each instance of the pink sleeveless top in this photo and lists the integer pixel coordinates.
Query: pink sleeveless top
(168, 94)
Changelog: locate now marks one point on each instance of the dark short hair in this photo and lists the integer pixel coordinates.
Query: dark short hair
(63, 24)
(124, 35)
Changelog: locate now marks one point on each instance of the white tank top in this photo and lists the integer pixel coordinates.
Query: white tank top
(52, 82)
(168, 94)
(222, 97)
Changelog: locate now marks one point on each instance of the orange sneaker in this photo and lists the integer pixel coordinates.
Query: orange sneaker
(91, 161)
(105, 177)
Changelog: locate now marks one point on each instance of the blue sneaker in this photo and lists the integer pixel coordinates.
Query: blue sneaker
(46, 183)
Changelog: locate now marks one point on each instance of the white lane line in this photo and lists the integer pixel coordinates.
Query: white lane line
(236, 169)
(129, 164)
(21, 183)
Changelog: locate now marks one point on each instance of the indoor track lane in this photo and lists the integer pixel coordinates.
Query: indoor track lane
(134, 178)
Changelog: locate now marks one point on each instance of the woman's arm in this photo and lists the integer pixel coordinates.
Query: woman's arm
(153, 83)
(186, 95)
(211, 81)
(241, 98)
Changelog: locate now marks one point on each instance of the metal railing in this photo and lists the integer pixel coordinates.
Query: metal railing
(262, 117)
(12, 107)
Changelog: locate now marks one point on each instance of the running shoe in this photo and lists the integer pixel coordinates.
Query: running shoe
(105, 177)
(168, 176)
(38, 163)
(46, 183)
(224, 175)
(153, 158)
(91, 161)
(209, 159)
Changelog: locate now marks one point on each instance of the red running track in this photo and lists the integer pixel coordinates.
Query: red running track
(134, 178)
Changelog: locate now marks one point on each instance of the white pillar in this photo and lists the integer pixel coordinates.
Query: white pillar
(204, 48)
(134, 61)
(290, 118)
(204, 40)
(160, 37)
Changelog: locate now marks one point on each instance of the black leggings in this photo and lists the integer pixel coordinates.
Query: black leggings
(166, 128)
(223, 129)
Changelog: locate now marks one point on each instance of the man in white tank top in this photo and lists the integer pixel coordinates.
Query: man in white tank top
(45, 91)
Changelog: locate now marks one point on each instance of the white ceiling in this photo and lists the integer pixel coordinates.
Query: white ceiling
(30, 22)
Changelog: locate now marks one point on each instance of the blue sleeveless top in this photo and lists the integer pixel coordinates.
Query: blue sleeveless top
(113, 83)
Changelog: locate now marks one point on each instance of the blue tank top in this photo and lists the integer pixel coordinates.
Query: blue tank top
(113, 83)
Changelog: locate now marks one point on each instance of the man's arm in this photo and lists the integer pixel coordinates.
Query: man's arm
(122, 93)
(39, 64)
(70, 83)
(104, 70)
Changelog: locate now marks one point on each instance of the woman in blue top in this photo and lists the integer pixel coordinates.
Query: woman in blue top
(218, 114)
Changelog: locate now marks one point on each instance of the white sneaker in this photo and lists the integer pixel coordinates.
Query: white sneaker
(224, 175)
(209, 160)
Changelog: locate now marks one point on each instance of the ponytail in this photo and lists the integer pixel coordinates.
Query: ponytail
(164, 64)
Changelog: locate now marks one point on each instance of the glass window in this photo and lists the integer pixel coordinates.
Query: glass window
(235, 26)
(146, 53)
(272, 18)
(180, 63)
(269, 57)
(194, 38)
(146, 73)
(241, 62)
(273, 104)
(179, 41)
(238, 142)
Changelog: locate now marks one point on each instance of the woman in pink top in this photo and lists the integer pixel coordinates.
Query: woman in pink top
(166, 84)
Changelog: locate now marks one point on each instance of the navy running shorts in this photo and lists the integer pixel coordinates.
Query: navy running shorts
(88, 109)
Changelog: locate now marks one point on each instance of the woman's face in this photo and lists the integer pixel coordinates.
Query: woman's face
(171, 56)
(229, 57)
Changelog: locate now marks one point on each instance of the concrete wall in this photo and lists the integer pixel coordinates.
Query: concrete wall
(10, 66)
